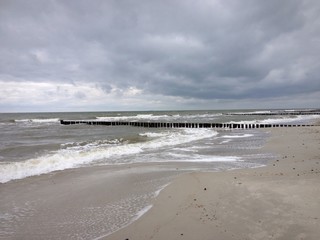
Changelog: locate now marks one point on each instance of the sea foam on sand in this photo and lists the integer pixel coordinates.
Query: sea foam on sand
(279, 201)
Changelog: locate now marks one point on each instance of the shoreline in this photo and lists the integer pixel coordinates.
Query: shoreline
(278, 201)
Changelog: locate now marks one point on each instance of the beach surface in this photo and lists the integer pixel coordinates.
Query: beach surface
(279, 201)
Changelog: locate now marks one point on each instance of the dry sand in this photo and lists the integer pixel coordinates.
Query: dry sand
(280, 201)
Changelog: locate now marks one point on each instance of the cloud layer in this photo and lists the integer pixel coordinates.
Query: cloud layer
(122, 55)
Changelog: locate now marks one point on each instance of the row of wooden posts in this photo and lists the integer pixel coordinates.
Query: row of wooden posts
(178, 125)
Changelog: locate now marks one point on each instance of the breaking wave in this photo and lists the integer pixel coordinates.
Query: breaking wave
(116, 151)
(37, 120)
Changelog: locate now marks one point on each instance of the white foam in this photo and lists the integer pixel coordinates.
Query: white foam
(142, 212)
(261, 112)
(299, 118)
(214, 159)
(63, 159)
(254, 112)
(164, 117)
(38, 120)
(153, 134)
(156, 193)
(238, 136)
(282, 120)
(206, 116)
(180, 137)
(138, 117)
(76, 155)
(197, 158)
(188, 150)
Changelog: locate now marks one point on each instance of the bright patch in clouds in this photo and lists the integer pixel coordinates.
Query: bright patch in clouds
(37, 92)
(41, 55)
(173, 41)
(75, 95)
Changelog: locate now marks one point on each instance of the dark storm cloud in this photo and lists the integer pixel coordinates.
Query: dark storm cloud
(209, 49)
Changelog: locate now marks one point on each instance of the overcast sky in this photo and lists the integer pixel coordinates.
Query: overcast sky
(156, 55)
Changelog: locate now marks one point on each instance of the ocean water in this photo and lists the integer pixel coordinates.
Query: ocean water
(36, 152)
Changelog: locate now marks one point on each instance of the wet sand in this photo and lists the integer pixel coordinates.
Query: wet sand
(279, 201)
(82, 203)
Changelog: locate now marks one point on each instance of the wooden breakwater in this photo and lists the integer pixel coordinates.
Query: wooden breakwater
(179, 124)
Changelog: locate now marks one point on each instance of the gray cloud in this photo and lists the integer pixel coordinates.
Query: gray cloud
(198, 51)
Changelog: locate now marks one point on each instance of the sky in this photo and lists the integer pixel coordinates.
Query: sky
(117, 55)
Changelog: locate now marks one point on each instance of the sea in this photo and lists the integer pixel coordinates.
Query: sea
(88, 181)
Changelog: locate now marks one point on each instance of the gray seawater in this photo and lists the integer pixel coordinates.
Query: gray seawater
(35, 147)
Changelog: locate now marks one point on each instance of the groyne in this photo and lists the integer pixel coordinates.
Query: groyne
(179, 124)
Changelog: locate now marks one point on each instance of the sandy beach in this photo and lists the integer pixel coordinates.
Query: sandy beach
(279, 201)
